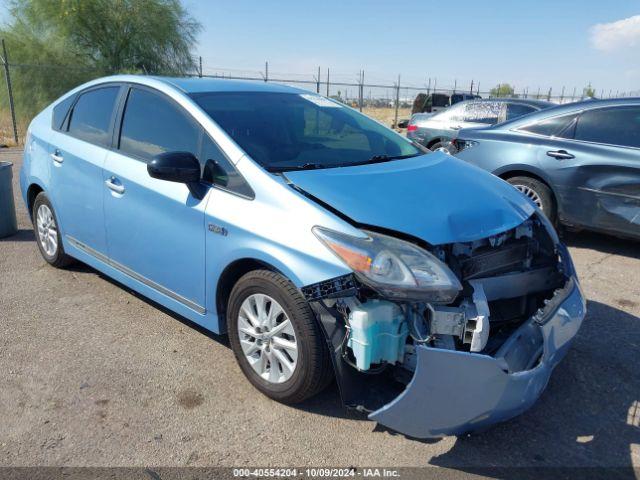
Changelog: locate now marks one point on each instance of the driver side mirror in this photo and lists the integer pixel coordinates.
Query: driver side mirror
(180, 167)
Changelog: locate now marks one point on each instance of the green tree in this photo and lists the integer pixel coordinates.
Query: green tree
(502, 90)
(589, 91)
(55, 45)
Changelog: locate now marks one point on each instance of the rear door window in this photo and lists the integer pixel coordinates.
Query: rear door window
(91, 116)
(561, 126)
(153, 124)
(515, 110)
(613, 126)
(485, 112)
(60, 112)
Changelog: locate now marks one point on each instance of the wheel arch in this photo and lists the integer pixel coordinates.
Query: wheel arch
(519, 171)
(432, 142)
(32, 192)
(230, 276)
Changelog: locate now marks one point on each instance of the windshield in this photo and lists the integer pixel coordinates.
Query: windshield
(289, 131)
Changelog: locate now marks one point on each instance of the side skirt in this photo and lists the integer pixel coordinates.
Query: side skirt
(141, 284)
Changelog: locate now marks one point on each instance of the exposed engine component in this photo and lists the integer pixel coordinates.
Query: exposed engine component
(377, 332)
(505, 279)
(469, 322)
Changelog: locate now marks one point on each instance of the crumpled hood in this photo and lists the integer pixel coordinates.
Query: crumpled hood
(436, 197)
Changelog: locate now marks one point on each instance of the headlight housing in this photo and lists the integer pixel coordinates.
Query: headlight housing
(393, 267)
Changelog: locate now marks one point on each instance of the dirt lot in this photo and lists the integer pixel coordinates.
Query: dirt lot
(92, 374)
(387, 115)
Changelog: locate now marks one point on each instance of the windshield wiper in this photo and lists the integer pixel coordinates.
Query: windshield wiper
(305, 166)
(383, 158)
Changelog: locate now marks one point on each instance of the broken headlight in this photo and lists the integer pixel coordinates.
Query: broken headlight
(393, 267)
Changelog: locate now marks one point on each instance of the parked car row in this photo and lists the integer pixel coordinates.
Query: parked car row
(580, 163)
(435, 131)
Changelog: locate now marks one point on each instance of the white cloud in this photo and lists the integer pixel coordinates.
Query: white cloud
(625, 33)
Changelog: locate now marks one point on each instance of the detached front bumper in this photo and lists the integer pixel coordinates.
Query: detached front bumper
(456, 392)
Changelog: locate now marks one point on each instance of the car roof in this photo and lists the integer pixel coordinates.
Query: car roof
(191, 85)
(200, 85)
(567, 108)
(522, 101)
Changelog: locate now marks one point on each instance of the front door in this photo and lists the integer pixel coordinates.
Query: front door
(155, 229)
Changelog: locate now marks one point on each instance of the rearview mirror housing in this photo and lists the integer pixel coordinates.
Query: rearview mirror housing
(180, 167)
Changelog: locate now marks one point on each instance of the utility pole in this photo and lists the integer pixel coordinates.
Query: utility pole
(318, 81)
(266, 71)
(471, 89)
(549, 96)
(7, 76)
(562, 95)
(429, 87)
(200, 64)
(361, 90)
(327, 82)
(395, 121)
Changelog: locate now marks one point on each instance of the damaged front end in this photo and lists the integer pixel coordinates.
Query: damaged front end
(433, 341)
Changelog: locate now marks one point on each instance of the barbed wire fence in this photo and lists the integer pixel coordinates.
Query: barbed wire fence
(366, 93)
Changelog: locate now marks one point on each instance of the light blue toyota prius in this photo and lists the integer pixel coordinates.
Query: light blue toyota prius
(324, 244)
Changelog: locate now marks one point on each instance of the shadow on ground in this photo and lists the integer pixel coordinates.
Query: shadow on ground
(589, 415)
(602, 243)
(22, 235)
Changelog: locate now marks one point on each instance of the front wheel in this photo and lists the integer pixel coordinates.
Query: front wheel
(276, 340)
(538, 192)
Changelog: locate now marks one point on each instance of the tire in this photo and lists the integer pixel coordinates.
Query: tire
(46, 228)
(539, 192)
(312, 371)
(444, 146)
(436, 146)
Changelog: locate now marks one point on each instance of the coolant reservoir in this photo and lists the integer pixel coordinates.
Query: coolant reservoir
(378, 333)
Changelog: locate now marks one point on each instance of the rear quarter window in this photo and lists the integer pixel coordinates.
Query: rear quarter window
(553, 127)
(60, 112)
(90, 119)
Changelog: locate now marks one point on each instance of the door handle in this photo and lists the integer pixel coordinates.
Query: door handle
(114, 186)
(57, 157)
(457, 127)
(560, 154)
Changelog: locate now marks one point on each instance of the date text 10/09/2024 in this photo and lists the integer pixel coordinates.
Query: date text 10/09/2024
(316, 472)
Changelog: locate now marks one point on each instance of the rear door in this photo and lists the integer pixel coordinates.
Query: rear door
(593, 159)
(155, 229)
(606, 169)
(77, 154)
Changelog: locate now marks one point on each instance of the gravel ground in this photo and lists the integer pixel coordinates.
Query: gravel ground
(94, 375)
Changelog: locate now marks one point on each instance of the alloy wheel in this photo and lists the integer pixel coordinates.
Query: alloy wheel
(532, 194)
(47, 230)
(267, 338)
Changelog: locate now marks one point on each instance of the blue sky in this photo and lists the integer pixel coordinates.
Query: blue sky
(533, 43)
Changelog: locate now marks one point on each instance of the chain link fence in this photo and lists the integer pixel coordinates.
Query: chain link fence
(386, 101)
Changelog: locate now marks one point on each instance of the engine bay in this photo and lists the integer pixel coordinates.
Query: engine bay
(507, 279)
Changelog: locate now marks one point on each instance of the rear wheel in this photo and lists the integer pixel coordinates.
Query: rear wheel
(445, 147)
(538, 192)
(276, 339)
(47, 231)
